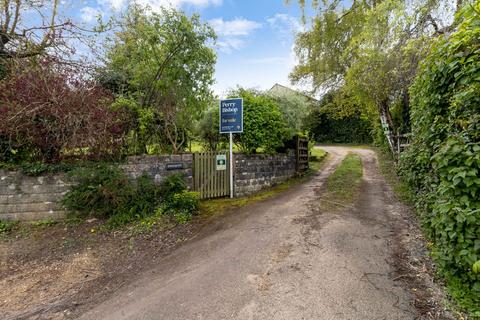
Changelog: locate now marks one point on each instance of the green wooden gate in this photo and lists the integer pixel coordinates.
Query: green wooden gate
(211, 179)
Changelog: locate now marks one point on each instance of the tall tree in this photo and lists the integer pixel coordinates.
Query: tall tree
(165, 65)
(370, 49)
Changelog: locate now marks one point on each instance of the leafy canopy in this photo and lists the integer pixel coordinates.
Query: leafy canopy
(164, 64)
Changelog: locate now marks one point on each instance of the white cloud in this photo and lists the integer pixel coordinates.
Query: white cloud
(285, 22)
(236, 27)
(157, 4)
(230, 32)
(228, 45)
(89, 14)
(285, 26)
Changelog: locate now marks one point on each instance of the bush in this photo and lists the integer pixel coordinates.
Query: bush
(264, 124)
(47, 112)
(184, 201)
(183, 205)
(102, 191)
(106, 192)
(330, 123)
(443, 162)
(172, 185)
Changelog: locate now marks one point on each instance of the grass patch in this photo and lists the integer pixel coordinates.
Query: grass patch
(317, 156)
(388, 170)
(344, 184)
(7, 226)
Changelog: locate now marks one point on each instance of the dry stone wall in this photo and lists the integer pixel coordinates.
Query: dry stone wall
(31, 198)
(36, 198)
(256, 172)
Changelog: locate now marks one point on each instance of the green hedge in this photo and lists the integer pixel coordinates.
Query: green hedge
(443, 161)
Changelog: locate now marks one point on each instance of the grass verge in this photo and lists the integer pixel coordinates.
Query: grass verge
(317, 156)
(344, 184)
(404, 193)
(388, 170)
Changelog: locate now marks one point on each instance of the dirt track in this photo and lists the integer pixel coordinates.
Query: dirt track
(286, 258)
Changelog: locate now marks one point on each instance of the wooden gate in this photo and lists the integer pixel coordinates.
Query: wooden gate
(211, 179)
(302, 154)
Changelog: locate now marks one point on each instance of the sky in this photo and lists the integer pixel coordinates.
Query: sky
(255, 37)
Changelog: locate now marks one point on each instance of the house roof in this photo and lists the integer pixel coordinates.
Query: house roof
(278, 88)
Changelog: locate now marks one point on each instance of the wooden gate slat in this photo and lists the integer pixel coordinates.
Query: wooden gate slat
(207, 181)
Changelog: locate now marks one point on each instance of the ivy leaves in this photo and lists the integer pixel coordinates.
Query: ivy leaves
(443, 161)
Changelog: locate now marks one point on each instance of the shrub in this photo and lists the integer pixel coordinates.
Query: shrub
(106, 192)
(264, 124)
(443, 162)
(47, 112)
(172, 185)
(184, 201)
(102, 191)
(183, 205)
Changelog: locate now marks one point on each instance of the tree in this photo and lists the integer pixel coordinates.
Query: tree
(294, 106)
(30, 28)
(264, 125)
(370, 49)
(163, 63)
(208, 129)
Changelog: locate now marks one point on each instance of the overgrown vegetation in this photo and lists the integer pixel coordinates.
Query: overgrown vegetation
(344, 183)
(7, 226)
(442, 165)
(317, 156)
(106, 192)
(329, 122)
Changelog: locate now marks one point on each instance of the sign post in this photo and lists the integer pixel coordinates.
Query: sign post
(231, 121)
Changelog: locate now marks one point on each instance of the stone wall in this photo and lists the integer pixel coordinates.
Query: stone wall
(256, 172)
(159, 167)
(31, 198)
(36, 198)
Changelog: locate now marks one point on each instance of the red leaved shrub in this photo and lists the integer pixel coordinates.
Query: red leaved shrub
(51, 112)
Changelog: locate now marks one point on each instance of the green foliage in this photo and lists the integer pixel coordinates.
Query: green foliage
(264, 126)
(162, 65)
(294, 106)
(328, 124)
(102, 191)
(172, 185)
(370, 50)
(183, 205)
(208, 129)
(7, 226)
(443, 161)
(106, 192)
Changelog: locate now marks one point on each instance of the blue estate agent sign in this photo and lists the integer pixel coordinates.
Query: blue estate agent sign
(231, 116)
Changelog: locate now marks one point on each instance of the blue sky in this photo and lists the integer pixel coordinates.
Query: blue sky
(255, 41)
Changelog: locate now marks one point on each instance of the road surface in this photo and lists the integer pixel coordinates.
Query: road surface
(283, 258)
